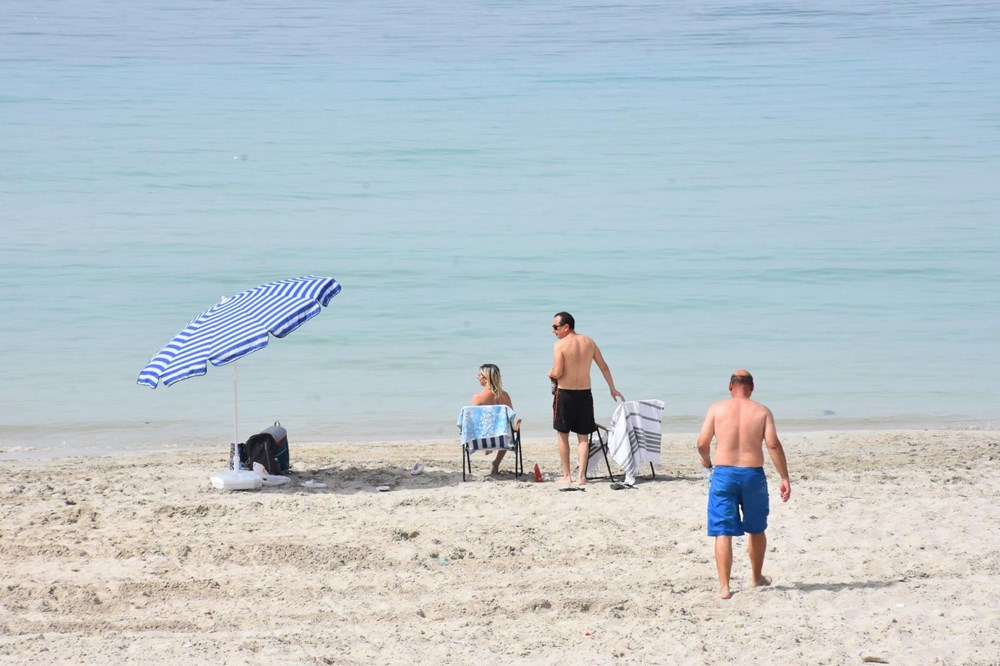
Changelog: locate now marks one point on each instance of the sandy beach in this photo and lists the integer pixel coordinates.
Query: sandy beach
(886, 553)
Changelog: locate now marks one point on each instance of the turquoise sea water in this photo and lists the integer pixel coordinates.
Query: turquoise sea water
(805, 189)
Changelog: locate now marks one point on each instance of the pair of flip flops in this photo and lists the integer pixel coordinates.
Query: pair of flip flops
(569, 489)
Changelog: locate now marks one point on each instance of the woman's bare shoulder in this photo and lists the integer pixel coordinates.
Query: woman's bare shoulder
(484, 397)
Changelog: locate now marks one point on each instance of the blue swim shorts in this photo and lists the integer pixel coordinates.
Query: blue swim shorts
(736, 490)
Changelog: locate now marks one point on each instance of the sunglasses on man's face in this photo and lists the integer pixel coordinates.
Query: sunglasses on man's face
(556, 327)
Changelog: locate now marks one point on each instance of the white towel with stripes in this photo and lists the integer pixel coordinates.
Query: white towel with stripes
(635, 435)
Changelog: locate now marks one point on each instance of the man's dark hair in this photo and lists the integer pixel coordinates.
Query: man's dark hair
(746, 380)
(567, 318)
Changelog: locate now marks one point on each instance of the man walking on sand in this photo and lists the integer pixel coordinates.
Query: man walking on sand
(573, 404)
(739, 425)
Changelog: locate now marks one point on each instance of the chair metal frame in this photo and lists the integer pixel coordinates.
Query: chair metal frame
(602, 439)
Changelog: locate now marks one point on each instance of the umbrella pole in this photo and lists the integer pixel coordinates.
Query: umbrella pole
(236, 420)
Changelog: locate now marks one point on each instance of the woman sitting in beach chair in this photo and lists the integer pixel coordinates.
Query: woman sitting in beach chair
(492, 394)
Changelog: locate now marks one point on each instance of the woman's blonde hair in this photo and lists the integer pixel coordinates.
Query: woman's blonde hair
(492, 375)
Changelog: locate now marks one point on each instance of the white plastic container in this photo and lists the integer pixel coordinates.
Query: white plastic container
(236, 480)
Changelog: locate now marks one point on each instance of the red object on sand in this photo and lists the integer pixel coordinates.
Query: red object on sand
(538, 474)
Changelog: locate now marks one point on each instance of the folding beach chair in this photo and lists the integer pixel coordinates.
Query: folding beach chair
(487, 427)
(598, 443)
(635, 436)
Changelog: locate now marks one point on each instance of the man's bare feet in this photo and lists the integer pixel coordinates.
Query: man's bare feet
(724, 592)
(581, 482)
(565, 481)
(496, 467)
(763, 581)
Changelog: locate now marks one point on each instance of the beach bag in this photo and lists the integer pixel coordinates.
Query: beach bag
(270, 449)
(280, 436)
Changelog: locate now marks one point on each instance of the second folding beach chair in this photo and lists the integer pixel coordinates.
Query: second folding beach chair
(598, 442)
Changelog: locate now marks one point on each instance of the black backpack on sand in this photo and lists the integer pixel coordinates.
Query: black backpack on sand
(270, 449)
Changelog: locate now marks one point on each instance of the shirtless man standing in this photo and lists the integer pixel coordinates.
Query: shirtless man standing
(573, 405)
(739, 425)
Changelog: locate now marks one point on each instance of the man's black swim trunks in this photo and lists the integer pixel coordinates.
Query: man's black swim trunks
(574, 411)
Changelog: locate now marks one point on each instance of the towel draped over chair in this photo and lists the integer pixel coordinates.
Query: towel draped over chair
(634, 436)
(485, 427)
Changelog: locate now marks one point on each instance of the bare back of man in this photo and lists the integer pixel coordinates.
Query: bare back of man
(740, 426)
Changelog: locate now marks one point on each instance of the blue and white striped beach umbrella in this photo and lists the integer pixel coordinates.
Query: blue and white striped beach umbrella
(238, 326)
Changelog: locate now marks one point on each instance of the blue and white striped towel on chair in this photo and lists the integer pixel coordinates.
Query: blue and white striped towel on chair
(487, 427)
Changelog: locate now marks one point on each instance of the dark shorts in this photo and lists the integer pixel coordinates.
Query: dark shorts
(574, 411)
(736, 490)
